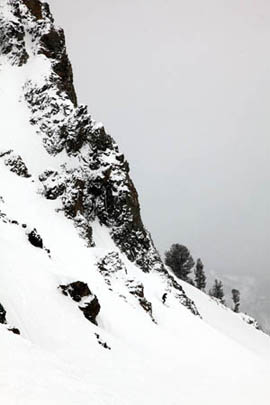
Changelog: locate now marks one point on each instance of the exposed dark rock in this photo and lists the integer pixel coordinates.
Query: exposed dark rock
(12, 42)
(147, 306)
(34, 18)
(5, 153)
(35, 7)
(3, 320)
(85, 230)
(15, 331)
(35, 239)
(100, 342)
(17, 165)
(137, 289)
(53, 46)
(77, 130)
(81, 293)
(4, 218)
(164, 298)
(76, 290)
(76, 205)
(250, 321)
(180, 294)
(52, 43)
(110, 264)
(91, 310)
(53, 185)
(3, 314)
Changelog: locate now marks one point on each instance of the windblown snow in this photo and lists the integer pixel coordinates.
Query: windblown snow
(141, 351)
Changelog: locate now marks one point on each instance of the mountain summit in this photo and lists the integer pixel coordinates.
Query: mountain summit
(82, 285)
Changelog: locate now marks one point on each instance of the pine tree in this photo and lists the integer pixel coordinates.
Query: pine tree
(200, 278)
(179, 259)
(236, 299)
(217, 291)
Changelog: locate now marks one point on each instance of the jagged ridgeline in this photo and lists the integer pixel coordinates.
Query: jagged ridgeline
(97, 185)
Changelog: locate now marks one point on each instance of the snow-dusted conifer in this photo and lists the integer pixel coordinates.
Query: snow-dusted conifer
(236, 299)
(217, 291)
(200, 277)
(179, 259)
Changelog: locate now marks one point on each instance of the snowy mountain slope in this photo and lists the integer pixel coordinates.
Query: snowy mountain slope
(63, 176)
(255, 299)
(229, 323)
(142, 353)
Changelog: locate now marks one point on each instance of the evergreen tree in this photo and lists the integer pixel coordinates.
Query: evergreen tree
(236, 299)
(217, 291)
(200, 278)
(179, 259)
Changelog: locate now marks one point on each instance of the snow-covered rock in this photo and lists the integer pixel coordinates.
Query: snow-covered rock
(66, 188)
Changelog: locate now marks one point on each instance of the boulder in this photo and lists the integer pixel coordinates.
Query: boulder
(35, 239)
(80, 293)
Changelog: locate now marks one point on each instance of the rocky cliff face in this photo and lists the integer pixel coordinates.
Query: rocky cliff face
(93, 182)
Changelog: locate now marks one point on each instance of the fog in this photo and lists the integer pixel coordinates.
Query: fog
(184, 88)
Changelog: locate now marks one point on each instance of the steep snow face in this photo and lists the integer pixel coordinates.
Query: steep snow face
(105, 336)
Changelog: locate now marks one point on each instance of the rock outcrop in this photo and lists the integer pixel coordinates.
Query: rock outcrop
(100, 185)
(88, 302)
(3, 314)
(137, 289)
(35, 239)
(97, 184)
(3, 321)
(250, 320)
(15, 164)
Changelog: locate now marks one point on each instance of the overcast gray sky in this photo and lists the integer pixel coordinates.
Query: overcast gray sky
(184, 88)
